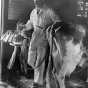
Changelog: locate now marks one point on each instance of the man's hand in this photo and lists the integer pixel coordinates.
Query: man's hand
(18, 40)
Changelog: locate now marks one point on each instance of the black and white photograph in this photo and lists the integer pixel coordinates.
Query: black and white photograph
(43, 43)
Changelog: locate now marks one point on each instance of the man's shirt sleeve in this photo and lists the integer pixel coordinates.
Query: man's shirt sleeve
(27, 31)
(29, 24)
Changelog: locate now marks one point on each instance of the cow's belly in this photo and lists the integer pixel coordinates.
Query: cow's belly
(72, 57)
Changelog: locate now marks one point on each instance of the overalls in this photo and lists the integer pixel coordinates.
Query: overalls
(41, 20)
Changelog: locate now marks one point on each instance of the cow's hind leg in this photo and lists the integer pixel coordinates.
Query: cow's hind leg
(61, 76)
(61, 81)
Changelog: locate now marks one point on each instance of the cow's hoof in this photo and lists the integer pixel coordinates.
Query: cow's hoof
(37, 85)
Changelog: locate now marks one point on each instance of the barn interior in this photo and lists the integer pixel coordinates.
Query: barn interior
(75, 11)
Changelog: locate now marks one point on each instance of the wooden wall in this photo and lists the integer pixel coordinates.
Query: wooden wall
(67, 9)
(18, 8)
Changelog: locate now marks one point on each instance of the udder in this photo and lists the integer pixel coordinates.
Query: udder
(72, 57)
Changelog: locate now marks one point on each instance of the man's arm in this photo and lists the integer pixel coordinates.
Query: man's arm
(29, 25)
(28, 30)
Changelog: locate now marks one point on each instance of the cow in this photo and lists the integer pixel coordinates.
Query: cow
(68, 50)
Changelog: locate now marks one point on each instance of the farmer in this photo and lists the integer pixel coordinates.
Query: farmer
(41, 18)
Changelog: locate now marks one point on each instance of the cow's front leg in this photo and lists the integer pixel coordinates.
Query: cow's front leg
(87, 76)
(61, 77)
(61, 80)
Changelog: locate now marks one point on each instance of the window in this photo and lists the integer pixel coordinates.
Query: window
(82, 8)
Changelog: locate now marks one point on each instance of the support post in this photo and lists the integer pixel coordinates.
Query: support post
(3, 4)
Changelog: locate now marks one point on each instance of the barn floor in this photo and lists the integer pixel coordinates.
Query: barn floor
(77, 80)
(25, 83)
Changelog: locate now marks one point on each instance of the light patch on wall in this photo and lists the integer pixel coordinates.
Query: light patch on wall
(83, 8)
(0, 17)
